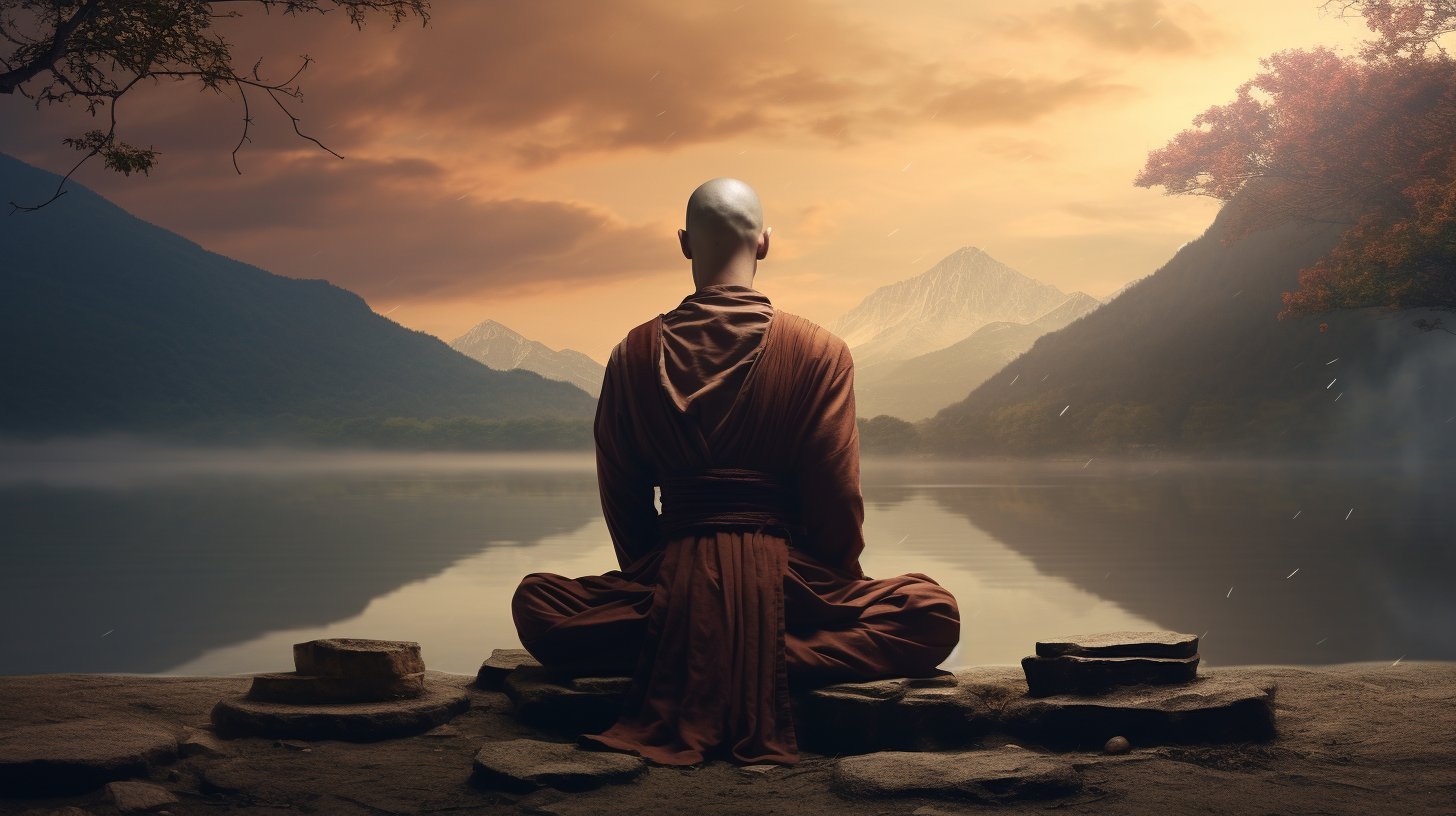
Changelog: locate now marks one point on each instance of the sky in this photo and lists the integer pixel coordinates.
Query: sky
(529, 162)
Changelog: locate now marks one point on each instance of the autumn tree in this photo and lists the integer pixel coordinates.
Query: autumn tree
(1366, 142)
(95, 51)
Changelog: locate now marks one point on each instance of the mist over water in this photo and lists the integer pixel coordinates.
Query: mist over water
(124, 557)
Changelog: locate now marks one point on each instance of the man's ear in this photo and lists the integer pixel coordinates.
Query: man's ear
(687, 248)
(763, 243)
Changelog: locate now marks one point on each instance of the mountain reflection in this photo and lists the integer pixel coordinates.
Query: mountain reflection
(1215, 547)
(109, 578)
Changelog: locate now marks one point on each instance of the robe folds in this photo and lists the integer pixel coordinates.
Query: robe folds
(749, 579)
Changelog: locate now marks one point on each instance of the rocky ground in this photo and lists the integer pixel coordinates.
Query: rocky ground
(1353, 739)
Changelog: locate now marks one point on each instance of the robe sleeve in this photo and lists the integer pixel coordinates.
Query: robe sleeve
(623, 479)
(831, 504)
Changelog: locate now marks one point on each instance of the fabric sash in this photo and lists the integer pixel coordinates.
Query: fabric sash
(728, 498)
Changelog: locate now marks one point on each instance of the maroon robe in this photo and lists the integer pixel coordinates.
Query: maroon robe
(750, 577)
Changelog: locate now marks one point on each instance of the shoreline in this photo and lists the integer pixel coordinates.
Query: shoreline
(1352, 738)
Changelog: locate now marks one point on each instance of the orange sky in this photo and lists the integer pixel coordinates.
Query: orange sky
(528, 162)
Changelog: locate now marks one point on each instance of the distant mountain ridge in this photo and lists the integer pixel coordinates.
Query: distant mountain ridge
(1195, 359)
(917, 388)
(966, 290)
(115, 324)
(502, 349)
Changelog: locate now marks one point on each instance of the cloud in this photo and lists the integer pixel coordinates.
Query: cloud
(390, 228)
(1127, 26)
(536, 83)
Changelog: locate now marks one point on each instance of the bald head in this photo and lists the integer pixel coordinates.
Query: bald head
(725, 237)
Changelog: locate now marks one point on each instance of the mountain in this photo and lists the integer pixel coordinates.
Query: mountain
(1195, 359)
(965, 291)
(111, 323)
(917, 388)
(502, 349)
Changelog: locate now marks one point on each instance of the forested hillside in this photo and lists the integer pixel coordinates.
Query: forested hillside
(1194, 359)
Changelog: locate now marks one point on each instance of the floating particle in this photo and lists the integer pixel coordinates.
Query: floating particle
(1007, 74)
(1291, 575)
(1332, 382)
(893, 231)
(902, 541)
(462, 196)
(1018, 376)
(1064, 410)
(1230, 593)
(1347, 515)
(1397, 660)
(922, 255)
(1105, 577)
(791, 36)
(1296, 514)
(669, 136)
(1336, 360)
(1240, 292)
(1155, 25)
(1043, 379)
(1024, 158)
(906, 167)
(654, 76)
(1297, 365)
(391, 310)
(661, 113)
(1089, 461)
(1321, 640)
(107, 632)
(1337, 396)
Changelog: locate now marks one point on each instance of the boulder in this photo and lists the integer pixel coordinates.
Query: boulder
(354, 722)
(1073, 674)
(138, 797)
(77, 756)
(527, 765)
(558, 702)
(1001, 775)
(898, 714)
(1121, 644)
(500, 664)
(1209, 709)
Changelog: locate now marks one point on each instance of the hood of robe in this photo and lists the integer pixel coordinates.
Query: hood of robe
(709, 343)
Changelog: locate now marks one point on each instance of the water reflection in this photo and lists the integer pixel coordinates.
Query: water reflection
(200, 563)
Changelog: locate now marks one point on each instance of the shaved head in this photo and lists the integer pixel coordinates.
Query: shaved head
(726, 207)
(725, 237)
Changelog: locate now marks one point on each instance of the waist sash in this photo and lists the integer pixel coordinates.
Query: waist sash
(728, 498)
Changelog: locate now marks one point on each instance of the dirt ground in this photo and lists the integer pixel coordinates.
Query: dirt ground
(1353, 739)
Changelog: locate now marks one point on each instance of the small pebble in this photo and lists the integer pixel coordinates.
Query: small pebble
(1117, 745)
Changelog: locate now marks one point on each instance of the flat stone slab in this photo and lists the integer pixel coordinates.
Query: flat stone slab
(306, 689)
(904, 714)
(496, 668)
(138, 797)
(353, 722)
(1073, 674)
(1121, 644)
(527, 765)
(1001, 775)
(356, 657)
(558, 702)
(67, 758)
(1209, 709)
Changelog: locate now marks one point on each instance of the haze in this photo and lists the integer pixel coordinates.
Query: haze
(529, 162)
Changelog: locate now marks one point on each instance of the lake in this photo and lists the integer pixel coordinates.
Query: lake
(120, 557)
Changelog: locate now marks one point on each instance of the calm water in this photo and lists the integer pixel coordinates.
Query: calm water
(119, 558)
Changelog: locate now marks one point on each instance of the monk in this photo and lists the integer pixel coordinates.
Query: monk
(748, 579)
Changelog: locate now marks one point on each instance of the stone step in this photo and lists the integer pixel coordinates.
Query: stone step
(1006, 774)
(1073, 674)
(353, 722)
(1121, 644)
(302, 689)
(496, 668)
(358, 659)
